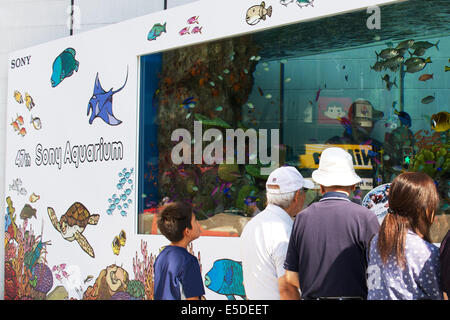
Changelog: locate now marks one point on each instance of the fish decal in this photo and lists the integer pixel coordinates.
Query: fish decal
(156, 31)
(64, 66)
(184, 31)
(119, 241)
(18, 97)
(29, 101)
(100, 104)
(257, 13)
(27, 212)
(226, 278)
(440, 122)
(197, 30)
(300, 3)
(34, 197)
(193, 20)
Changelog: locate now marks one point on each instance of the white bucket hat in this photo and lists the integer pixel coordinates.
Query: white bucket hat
(288, 179)
(335, 169)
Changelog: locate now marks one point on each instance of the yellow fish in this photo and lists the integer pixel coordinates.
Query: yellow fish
(29, 101)
(18, 96)
(34, 197)
(119, 241)
(440, 121)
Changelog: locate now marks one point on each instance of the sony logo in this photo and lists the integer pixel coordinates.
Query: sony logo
(20, 62)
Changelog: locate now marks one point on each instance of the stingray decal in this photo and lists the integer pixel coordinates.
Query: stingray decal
(64, 66)
(101, 103)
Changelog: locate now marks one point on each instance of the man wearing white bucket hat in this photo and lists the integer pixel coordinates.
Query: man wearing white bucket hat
(265, 238)
(326, 256)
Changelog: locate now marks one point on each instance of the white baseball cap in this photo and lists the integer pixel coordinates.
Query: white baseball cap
(288, 179)
(335, 169)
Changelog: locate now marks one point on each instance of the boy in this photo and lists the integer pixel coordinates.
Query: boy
(177, 272)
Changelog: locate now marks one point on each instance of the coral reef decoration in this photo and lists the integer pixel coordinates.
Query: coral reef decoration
(143, 273)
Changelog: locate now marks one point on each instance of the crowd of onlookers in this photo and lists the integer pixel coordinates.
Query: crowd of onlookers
(332, 249)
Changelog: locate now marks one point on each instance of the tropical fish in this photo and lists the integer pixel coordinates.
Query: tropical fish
(428, 99)
(34, 197)
(156, 31)
(29, 101)
(392, 63)
(387, 53)
(389, 84)
(287, 80)
(406, 44)
(36, 122)
(268, 96)
(378, 66)
(425, 77)
(404, 118)
(101, 103)
(27, 212)
(446, 68)
(193, 19)
(425, 45)
(419, 52)
(23, 132)
(416, 65)
(184, 31)
(18, 96)
(64, 66)
(197, 29)
(440, 121)
(226, 278)
(189, 103)
(216, 122)
(258, 12)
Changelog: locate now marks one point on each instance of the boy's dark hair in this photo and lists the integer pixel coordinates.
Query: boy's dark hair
(173, 219)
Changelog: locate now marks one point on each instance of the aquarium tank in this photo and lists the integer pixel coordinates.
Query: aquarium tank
(382, 94)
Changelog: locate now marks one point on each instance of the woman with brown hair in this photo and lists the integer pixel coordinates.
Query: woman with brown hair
(403, 263)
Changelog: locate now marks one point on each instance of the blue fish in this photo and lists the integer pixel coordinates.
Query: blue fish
(225, 277)
(404, 118)
(156, 31)
(101, 103)
(64, 66)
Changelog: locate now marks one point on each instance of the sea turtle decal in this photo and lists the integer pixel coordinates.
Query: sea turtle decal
(72, 224)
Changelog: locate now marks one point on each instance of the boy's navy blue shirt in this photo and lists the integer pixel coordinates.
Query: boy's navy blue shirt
(177, 275)
(328, 247)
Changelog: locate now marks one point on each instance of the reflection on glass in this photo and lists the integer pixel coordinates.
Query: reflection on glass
(380, 94)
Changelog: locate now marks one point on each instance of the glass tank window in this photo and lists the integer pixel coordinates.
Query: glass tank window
(381, 94)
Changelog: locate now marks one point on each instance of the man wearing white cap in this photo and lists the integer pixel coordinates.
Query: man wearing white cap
(326, 256)
(265, 238)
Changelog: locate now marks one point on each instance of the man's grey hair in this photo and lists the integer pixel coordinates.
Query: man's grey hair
(282, 200)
